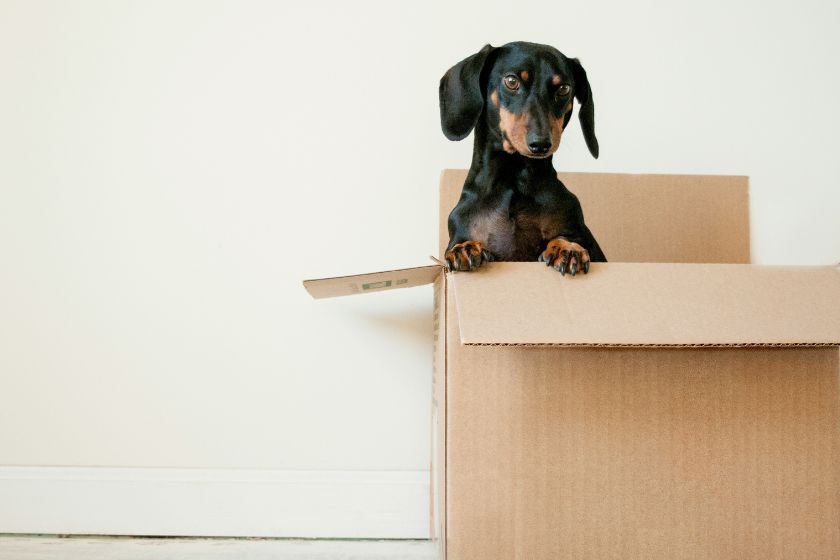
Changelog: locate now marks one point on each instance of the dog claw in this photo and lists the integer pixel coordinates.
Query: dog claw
(466, 256)
(565, 256)
(463, 261)
(474, 260)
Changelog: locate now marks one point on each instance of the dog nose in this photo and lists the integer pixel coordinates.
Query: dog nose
(539, 145)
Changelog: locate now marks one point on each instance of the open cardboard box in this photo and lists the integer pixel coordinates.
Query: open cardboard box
(675, 402)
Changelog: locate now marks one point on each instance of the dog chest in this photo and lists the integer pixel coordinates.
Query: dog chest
(511, 226)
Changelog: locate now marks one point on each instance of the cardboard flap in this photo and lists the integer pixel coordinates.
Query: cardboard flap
(630, 304)
(372, 282)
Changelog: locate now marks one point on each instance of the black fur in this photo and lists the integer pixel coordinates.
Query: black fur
(512, 204)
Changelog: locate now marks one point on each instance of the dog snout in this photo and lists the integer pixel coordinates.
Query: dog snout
(539, 144)
(538, 133)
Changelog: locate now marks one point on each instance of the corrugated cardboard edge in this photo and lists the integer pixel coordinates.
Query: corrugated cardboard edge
(437, 488)
(649, 346)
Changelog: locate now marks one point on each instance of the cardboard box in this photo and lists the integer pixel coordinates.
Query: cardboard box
(663, 406)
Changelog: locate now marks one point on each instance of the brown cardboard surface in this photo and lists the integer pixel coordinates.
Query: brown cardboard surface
(650, 218)
(623, 304)
(372, 282)
(645, 453)
(649, 452)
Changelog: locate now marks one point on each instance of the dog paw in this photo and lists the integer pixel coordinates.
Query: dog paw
(467, 256)
(565, 256)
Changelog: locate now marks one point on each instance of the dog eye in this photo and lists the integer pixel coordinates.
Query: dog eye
(563, 90)
(511, 82)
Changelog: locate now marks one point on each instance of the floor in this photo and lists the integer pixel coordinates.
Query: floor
(124, 548)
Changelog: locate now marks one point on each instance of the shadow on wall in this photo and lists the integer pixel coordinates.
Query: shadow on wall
(414, 326)
(400, 318)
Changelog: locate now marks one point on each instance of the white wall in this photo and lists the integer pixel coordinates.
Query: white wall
(171, 171)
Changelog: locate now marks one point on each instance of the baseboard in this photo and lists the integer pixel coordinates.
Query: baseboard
(214, 502)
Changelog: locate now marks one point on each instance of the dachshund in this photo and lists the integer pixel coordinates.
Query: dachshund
(518, 100)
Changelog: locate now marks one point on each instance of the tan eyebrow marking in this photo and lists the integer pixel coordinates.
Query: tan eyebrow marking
(556, 80)
(524, 75)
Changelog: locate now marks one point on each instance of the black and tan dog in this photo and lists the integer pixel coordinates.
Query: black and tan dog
(518, 98)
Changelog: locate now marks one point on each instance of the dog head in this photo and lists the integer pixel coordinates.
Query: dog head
(525, 92)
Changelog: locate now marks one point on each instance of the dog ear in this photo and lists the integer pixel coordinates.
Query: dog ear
(461, 97)
(583, 93)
